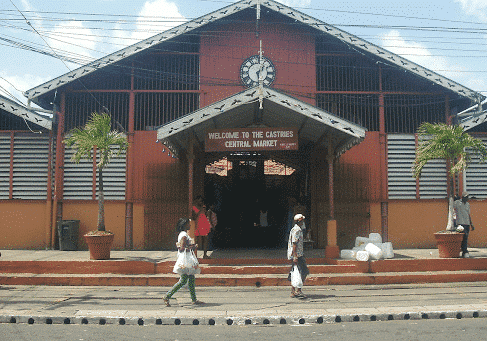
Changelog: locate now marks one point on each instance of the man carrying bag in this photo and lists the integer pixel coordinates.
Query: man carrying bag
(295, 253)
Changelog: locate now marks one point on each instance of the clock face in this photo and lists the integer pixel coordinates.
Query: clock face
(251, 71)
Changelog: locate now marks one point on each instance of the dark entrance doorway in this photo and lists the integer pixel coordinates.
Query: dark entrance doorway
(250, 193)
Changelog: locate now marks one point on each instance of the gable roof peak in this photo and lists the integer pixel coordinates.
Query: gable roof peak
(347, 38)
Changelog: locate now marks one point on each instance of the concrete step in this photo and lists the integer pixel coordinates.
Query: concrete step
(243, 266)
(242, 279)
(208, 266)
(274, 269)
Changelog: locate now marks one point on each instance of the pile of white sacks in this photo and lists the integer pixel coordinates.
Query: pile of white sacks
(369, 248)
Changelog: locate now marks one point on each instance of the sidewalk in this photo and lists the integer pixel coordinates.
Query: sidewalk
(240, 305)
(254, 300)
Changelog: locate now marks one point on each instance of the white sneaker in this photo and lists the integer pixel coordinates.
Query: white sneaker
(466, 255)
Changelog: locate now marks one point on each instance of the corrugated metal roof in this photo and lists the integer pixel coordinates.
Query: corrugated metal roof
(347, 38)
(22, 112)
(474, 120)
(278, 110)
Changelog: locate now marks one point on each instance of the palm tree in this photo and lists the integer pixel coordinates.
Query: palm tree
(448, 142)
(97, 137)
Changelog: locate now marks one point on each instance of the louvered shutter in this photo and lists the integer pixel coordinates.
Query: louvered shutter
(78, 178)
(433, 180)
(476, 176)
(114, 179)
(30, 166)
(4, 165)
(401, 184)
(400, 158)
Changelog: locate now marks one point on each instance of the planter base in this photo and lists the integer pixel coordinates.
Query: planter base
(99, 245)
(449, 244)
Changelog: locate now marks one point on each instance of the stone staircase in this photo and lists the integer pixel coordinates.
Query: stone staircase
(242, 272)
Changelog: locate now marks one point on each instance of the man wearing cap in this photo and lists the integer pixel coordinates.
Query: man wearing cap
(462, 211)
(295, 252)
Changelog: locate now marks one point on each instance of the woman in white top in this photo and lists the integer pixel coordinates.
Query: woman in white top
(184, 244)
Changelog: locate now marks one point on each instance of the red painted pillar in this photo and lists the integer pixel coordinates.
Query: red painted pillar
(331, 186)
(416, 143)
(129, 189)
(332, 250)
(49, 193)
(451, 185)
(59, 170)
(11, 173)
(191, 182)
(384, 205)
(93, 175)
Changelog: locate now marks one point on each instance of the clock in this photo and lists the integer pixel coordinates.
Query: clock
(251, 70)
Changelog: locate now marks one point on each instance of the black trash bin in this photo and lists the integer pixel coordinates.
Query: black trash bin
(68, 235)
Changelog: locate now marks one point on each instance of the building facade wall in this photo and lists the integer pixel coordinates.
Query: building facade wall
(206, 69)
(161, 188)
(87, 213)
(23, 224)
(221, 57)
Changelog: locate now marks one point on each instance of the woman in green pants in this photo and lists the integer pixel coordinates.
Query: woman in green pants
(184, 244)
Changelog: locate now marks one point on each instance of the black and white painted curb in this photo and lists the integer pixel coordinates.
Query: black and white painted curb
(207, 319)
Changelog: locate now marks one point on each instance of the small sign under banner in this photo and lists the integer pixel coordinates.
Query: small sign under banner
(252, 139)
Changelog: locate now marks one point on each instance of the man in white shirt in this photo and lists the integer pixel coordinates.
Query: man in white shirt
(295, 253)
(462, 212)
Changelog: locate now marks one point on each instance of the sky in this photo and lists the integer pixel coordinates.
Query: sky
(446, 36)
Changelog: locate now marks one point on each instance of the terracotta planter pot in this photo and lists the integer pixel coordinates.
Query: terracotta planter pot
(449, 244)
(99, 245)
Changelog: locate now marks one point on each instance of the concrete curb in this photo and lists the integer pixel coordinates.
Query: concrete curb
(213, 318)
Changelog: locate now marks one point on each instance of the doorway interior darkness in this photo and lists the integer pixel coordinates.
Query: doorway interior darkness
(249, 191)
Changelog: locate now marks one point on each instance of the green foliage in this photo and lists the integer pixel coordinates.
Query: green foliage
(448, 142)
(96, 134)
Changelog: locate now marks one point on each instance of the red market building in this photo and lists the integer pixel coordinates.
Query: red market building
(253, 106)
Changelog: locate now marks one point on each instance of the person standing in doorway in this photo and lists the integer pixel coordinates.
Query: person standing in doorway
(288, 220)
(203, 226)
(295, 252)
(213, 219)
(462, 213)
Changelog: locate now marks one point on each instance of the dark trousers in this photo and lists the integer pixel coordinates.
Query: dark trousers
(465, 238)
(202, 242)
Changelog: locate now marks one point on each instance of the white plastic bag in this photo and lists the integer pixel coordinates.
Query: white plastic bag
(374, 251)
(195, 265)
(186, 264)
(348, 254)
(296, 280)
(387, 250)
(375, 238)
(359, 241)
(362, 256)
(179, 263)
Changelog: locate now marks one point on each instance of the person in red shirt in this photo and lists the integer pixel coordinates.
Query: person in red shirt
(202, 224)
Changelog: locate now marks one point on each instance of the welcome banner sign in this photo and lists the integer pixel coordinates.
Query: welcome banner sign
(251, 139)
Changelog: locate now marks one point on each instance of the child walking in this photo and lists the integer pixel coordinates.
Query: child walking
(185, 245)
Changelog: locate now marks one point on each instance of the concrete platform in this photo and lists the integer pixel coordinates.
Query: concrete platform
(240, 306)
(234, 268)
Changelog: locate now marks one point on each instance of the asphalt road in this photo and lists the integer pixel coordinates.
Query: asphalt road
(431, 330)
